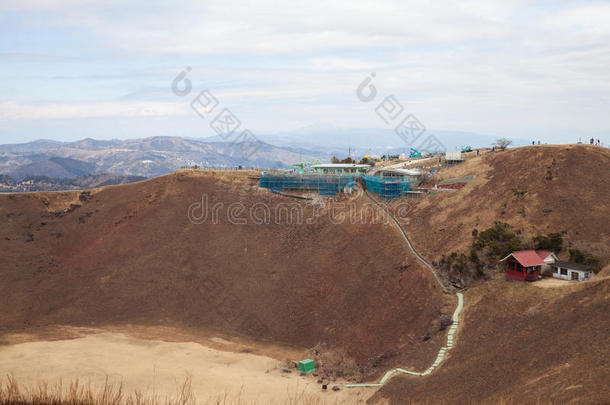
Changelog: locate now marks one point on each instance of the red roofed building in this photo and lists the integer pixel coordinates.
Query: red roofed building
(528, 264)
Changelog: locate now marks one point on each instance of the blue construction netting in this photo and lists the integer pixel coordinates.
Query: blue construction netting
(324, 184)
(387, 187)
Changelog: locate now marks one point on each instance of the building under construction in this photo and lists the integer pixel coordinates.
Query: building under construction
(323, 184)
(386, 187)
(332, 184)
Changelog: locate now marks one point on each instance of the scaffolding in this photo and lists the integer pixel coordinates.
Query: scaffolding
(323, 184)
(387, 187)
(332, 184)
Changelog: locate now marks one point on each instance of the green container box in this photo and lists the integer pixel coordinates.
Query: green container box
(307, 365)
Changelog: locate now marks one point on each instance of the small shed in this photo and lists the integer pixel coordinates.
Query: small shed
(307, 365)
(453, 156)
(527, 265)
(571, 271)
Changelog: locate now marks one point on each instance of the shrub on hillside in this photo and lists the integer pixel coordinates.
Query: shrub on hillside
(499, 240)
(84, 196)
(488, 247)
(491, 245)
(552, 242)
(590, 260)
(348, 159)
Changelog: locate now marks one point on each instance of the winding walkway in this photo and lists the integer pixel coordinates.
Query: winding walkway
(455, 318)
(404, 235)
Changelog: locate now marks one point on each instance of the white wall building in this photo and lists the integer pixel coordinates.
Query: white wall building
(571, 271)
(454, 156)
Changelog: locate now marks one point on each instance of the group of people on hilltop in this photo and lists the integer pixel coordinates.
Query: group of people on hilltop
(592, 141)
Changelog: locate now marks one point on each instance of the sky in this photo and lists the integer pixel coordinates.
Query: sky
(71, 69)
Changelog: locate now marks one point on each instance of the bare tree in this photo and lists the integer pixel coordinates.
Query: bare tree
(503, 143)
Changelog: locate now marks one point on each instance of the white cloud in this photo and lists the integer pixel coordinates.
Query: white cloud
(11, 110)
(585, 20)
(268, 27)
(506, 65)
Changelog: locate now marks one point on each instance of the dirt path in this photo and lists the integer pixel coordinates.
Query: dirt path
(552, 283)
(159, 368)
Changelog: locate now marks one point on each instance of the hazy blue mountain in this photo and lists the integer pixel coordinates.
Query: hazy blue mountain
(55, 167)
(375, 140)
(45, 183)
(159, 155)
(148, 157)
(30, 147)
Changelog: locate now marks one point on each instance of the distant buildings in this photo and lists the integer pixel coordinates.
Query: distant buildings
(340, 168)
(453, 157)
(571, 271)
(529, 265)
(414, 175)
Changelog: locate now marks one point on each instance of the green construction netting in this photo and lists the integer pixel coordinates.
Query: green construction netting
(324, 184)
(387, 187)
(331, 184)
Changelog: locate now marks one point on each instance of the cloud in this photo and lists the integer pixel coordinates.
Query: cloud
(265, 27)
(11, 110)
(484, 66)
(590, 20)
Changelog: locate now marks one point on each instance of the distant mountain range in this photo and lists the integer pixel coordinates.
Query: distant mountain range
(146, 157)
(379, 141)
(54, 167)
(154, 156)
(44, 183)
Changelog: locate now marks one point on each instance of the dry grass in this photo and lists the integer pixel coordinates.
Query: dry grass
(497, 401)
(80, 270)
(579, 174)
(76, 393)
(335, 363)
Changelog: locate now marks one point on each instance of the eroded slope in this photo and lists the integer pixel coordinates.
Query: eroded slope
(130, 254)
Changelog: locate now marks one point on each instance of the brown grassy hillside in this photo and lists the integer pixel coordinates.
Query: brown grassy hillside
(522, 344)
(129, 255)
(567, 189)
(519, 343)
